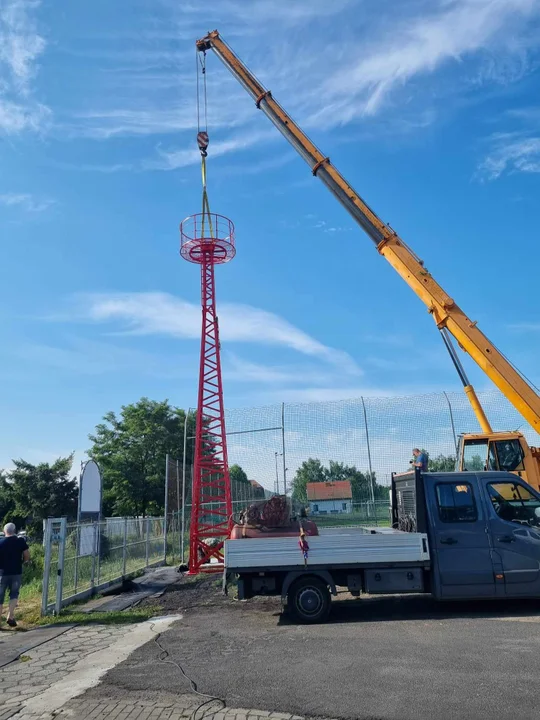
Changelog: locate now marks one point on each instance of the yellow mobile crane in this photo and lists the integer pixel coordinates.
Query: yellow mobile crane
(497, 450)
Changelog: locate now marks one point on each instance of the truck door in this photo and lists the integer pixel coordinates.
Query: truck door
(461, 540)
(515, 531)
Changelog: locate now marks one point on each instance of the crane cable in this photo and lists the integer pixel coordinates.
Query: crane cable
(202, 138)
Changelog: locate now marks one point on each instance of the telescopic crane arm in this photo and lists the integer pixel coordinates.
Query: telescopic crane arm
(446, 313)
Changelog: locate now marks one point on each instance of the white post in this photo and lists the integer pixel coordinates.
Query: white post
(96, 558)
(166, 508)
(147, 540)
(47, 542)
(60, 570)
(124, 549)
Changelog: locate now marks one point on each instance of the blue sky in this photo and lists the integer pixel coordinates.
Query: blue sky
(431, 110)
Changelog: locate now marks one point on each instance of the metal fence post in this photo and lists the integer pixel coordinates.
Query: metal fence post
(47, 536)
(184, 460)
(95, 531)
(283, 448)
(124, 549)
(452, 421)
(60, 570)
(147, 541)
(97, 555)
(178, 502)
(368, 453)
(166, 508)
(77, 548)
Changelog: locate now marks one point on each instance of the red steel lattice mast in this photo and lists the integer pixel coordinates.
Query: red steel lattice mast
(208, 239)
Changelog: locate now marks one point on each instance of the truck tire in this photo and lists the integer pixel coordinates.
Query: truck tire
(308, 600)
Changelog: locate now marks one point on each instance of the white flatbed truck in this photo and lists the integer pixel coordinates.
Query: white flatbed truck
(468, 536)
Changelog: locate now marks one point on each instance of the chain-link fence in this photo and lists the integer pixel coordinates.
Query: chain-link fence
(372, 434)
(83, 558)
(365, 439)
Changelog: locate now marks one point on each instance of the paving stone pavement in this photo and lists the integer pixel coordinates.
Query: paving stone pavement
(46, 664)
(52, 662)
(184, 706)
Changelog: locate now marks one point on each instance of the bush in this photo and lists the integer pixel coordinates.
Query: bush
(34, 569)
(104, 546)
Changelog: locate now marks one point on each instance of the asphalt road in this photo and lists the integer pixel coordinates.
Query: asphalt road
(379, 658)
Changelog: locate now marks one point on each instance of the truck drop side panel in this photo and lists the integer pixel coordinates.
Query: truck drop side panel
(328, 550)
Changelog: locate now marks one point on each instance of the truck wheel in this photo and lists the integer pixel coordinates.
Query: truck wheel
(308, 600)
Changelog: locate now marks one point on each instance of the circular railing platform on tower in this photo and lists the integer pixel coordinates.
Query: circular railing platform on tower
(207, 237)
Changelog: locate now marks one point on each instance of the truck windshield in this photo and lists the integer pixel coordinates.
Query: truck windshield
(515, 503)
(475, 455)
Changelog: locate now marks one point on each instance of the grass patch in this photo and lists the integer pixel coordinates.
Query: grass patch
(29, 617)
(118, 617)
(29, 610)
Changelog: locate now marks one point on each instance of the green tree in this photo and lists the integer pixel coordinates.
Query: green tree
(442, 463)
(41, 491)
(476, 464)
(238, 475)
(7, 501)
(130, 449)
(240, 485)
(360, 481)
(310, 470)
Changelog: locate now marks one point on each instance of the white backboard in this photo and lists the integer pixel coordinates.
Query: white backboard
(90, 489)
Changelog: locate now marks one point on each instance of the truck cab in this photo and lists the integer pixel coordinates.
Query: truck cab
(483, 530)
(505, 451)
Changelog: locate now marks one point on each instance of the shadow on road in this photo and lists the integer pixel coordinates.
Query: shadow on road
(421, 607)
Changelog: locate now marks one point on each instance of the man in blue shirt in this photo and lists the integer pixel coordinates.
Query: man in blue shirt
(420, 459)
(13, 552)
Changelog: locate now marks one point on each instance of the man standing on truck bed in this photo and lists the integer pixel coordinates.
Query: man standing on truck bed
(13, 552)
(420, 459)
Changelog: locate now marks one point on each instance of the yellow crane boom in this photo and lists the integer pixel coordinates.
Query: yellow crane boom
(446, 313)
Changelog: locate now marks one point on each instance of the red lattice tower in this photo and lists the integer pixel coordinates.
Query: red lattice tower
(208, 239)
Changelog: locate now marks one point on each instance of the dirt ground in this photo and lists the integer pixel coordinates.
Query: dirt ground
(204, 592)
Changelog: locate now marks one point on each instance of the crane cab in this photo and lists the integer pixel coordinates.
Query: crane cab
(506, 451)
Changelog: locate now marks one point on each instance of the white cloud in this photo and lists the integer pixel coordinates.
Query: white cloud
(132, 110)
(20, 47)
(164, 314)
(442, 32)
(332, 63)
(26, 202)
(240, 370)
(511, 152)
(526, 327)
(326, 394)
(284, 11)
(174, 159)
(85, 357)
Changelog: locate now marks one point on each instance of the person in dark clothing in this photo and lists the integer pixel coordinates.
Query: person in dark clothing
(13, 552)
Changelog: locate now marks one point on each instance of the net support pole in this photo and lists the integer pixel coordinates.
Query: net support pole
(368, 453)
(451, 421)
(283, 448)
(184, 460)
(178, 500)
(166, 509)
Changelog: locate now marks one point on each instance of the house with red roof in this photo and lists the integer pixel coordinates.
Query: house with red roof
(327, 498)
